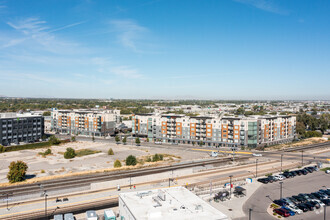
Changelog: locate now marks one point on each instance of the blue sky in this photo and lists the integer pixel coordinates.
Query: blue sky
(207, 49)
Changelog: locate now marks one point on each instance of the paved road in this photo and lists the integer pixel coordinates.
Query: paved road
(263, 197)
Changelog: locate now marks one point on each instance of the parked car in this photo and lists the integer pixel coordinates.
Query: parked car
(316, 205)
(91, 215)
(326, 201)
(296, 172)
(292, 213)
(282, 212)
(58, 217)
(309, 206)
(287, 175)
(295, 201)
(293, 173)
(302, 207)
(279, 177)
(319, 195)
(309, 170)
(272, 179)
(325, 191)
(300, 199)
(295, 209)
(263, 180)
(326, 196)
(304, 172)
(327, 171)
(288, 201)
(280, 202)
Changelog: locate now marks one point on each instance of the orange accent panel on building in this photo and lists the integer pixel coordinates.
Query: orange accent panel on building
(192, 129)
(178, 128)
(164, 127)
(236, 128)
(209, 133)
(224, 131)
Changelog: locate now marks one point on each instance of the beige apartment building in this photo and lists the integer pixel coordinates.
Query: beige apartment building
(249, 131)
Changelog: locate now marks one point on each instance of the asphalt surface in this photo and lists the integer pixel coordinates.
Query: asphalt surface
(262, 198)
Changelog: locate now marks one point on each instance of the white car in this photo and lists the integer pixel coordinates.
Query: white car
(295, 209)
(257, 155)
(279, 177)
(327, 171)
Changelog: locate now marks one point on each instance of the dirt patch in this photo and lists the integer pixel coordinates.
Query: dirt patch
(314, 140)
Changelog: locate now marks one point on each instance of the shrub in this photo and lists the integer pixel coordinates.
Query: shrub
(73, 139)
(117, 164)
(17, 171)
(2, 149)
(48, 151)
(137, 141)
(42, 171)
(161, 157)
(110, 152)
(69, 153)
(131, 160)
(124, 140)
(242, 148)
(85, 152)
(54, 140)
(155, 158)
(117, 139)
(268, 174)
(148, 159)
(147, 140)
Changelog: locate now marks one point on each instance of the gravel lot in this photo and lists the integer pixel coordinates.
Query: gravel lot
(56, 164)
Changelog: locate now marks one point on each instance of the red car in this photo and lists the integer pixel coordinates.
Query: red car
(282, 212)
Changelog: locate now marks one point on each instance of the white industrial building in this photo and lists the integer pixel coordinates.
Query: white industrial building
(167, 203)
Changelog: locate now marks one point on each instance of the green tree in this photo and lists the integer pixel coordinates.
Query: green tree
(300, 128)
(240, 111)
(131, 160)
(147, 140)
(44, 137)
(137, 141)
(117, 164)
(47, 113)
(201, 143)
(17, 171)
(69, 153)
(54, 140)
(124, 140)
(110, 152)
(93, 138)
(117, 139)
(73, 138)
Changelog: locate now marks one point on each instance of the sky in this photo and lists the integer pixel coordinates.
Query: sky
(168, 49)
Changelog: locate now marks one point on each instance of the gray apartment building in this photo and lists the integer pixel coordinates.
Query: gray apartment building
(16, 128)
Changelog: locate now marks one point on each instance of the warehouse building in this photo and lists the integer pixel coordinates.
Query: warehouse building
(169, 203)
(249, 131)
(84, 122)
(20, 128)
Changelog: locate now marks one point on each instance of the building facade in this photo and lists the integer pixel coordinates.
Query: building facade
(84, 122)
(216, 131)
(18, 128)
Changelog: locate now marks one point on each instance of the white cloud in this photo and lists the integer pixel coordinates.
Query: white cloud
(126, 72)
(265, 5)
(128, 33)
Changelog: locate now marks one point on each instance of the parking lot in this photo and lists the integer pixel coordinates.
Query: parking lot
(264, 196)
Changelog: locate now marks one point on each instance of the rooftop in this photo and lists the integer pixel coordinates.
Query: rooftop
(17, 115)
(169, 203)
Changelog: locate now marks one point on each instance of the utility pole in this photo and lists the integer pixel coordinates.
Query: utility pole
(256, 168)
(281, 189)
(250, 210)
(230, 185)
(130, 182)
(44, 193)
(281, 161)
(302, 158)
(325, 212)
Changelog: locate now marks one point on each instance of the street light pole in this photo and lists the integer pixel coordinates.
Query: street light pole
(281, 161)
(325, 212)
(45, 204)
(281, 189)
(256, 168)
(230, 185)
(250, 210)
(302, 158)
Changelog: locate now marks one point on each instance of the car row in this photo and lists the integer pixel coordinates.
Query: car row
(288, 174)
(303, 202)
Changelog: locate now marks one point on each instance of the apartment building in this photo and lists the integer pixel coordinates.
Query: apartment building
(216, 131)
(84, 122)
(17, 128)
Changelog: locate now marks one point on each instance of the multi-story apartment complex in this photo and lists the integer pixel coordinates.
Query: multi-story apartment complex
(16, 128)
(216, 131)
(84, 122)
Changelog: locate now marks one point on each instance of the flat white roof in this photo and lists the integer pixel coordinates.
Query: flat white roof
(17, 115)
(169, 203)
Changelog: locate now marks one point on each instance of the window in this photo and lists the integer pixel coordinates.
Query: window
(208, 126)
(193, 129)
(208, 130)
(236, 131)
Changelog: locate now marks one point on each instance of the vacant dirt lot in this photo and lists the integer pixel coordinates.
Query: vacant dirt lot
(55, 164)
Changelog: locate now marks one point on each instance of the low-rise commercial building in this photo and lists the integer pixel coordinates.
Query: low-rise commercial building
(170, 203)
(249, 131)
(17, 128)
(84, 122)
